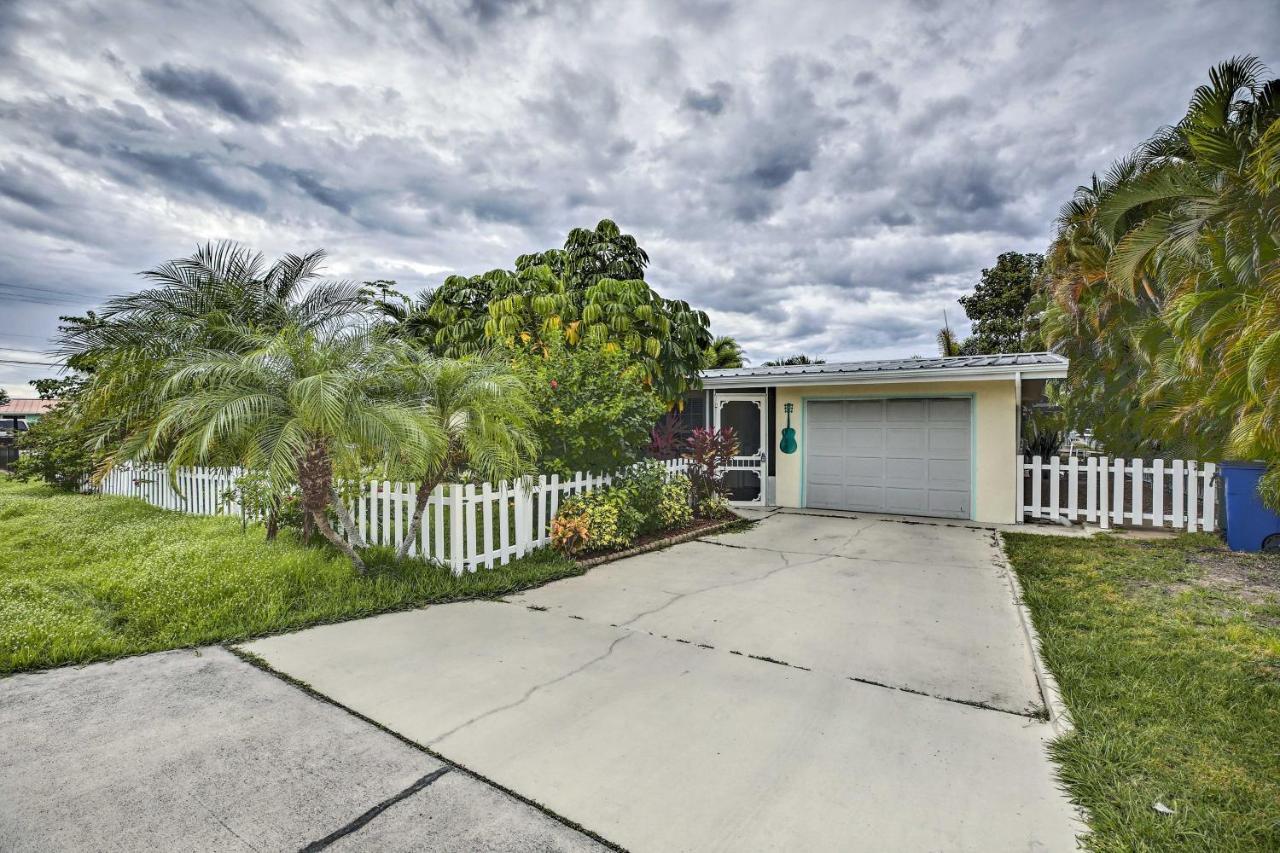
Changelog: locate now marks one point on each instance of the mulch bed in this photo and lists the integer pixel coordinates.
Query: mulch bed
(665, 539)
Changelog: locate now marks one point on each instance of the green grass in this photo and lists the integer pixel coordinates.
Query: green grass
(1168, 656)
(86, 578)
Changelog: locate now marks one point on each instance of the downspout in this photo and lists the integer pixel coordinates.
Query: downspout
(1017, 444)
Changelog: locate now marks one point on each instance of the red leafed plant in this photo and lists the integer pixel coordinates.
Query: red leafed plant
(664, 438)
(710, 452)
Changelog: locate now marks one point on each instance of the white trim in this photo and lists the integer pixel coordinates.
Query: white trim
(758, 461)
(882, 377)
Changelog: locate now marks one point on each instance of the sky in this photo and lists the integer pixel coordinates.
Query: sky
(820, 177)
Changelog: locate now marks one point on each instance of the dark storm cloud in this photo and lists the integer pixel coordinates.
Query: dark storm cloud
(818, 177)
(213, 90)
(712, 101)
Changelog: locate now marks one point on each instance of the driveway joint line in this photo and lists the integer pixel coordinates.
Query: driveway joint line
(1034, 716)
(259, 662)
(343, 831)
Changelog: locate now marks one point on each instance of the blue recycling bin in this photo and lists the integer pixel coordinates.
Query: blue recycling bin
(1249, 522)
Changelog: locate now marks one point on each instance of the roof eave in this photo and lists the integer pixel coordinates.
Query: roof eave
(941, 374)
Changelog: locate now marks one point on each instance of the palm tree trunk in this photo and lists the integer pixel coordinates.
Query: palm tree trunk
(344, 516)
(425, 488)
(315, 479)
(321, 519)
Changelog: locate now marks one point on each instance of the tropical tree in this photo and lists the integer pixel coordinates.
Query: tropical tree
(1165, 278)
(793, 360)
(723, 353)
(592, 290)
(205, 302)
(1002, 306)
(482, 415)
(295, 404)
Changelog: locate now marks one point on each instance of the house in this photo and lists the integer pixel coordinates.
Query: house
(22, 412)
(916, 436)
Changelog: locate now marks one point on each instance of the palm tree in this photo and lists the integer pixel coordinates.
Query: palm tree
(483, 414)
(793, 360)
(723, 353)
(205, 303)
(1166, 280)
(294, 404)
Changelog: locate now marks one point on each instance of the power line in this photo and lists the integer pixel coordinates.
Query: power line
(35, 363)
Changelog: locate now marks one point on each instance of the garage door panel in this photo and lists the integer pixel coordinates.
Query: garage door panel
(858, 469)
(869, 498)
(865, 410)
(912, 501)
(949, 503)
(949, 410)
(913, 411)
(861, 440)
(904, 455)
(904, 472)
(826, 412)
(900, 438)
(826, 470)
(951, 442)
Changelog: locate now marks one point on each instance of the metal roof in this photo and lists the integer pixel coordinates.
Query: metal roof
(20, 406)
(1003, 365)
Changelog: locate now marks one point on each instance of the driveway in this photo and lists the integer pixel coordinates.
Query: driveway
(813, 683)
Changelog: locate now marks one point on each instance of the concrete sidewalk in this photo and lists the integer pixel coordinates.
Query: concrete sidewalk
(199, 750)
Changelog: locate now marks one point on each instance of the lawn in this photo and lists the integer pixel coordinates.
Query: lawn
(1168, 656)
(84, 578)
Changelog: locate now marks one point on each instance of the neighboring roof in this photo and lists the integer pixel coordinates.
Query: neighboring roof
(26, 406)
(1032, 365)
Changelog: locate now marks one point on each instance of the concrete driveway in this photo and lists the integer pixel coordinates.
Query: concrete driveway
(813, 683)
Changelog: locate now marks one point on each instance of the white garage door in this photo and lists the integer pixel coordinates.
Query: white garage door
(907, 456)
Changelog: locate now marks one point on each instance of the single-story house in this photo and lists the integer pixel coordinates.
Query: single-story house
(915, 436)
(22, 412)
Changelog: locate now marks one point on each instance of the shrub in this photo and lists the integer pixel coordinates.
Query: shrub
(56, 450)
(603, 520)
(594, 407)
(1043, 434)
(674, 507)
(715, 505)
(710, 452)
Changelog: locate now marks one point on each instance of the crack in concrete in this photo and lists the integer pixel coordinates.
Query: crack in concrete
(833, 556)
(786, 564)
(528, 694)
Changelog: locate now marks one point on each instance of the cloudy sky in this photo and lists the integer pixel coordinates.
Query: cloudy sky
(820, 177)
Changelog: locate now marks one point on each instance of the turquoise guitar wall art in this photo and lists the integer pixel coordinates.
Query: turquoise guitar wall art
(788, 443)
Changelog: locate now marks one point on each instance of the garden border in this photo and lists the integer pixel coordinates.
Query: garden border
(659, 544)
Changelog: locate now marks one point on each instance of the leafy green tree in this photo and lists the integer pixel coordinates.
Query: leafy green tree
(1165, 280)
(295, 404)
(594, 408)
(482, 412)
(4, 397)
(1002, 307)
(723, 353)
(56, 449)
(793, 360)
(592, 290)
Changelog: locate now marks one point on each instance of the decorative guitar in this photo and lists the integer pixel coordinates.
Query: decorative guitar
(788, 443)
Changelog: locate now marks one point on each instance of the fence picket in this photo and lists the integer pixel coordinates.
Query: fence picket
(1157, 492)
(1210, 503)
(1135, 513)
(1036, 476)
(1091, 489)
(1192, 483)
(1073, 488)
(1117, 502)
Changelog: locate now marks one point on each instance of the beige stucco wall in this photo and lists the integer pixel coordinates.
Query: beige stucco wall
(995, 438)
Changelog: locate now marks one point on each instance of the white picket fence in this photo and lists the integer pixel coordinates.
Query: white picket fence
(464, 526)
(1177, 494)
